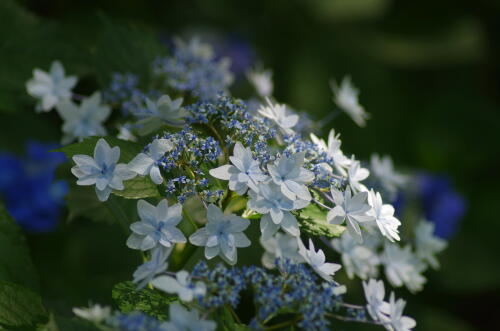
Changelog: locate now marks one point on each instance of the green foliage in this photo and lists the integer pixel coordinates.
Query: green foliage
(312, 220)
(150, 302)
(124, 49)
(135, 188)
(20, 306)
(59, 323)
(225, 321)
(15, 262)
(27, 42)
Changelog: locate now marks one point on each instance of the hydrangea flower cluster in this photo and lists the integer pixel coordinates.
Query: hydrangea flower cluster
(205, 167)
(29, 188)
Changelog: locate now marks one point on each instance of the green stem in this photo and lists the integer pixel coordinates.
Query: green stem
(283, 324)
(221, 141)
(234, 314)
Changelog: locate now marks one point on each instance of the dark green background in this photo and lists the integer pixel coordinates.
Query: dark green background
(429, 74)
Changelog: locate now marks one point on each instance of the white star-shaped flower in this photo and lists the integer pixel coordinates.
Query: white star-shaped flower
(262, 81)
(163, 111)
(279, 114)
(95, 313)
(288, 173)
(316, 259)
(427, 244)
(340, 162)
(402, 267)
(374, 294)
(222, 234)
(244, 173)
(149, 269)
(102, 170)
(283, 246)
(85, 120)
(50, 87)
(346, 98)
(181, 285)
(384, 216)
(275, 207)
(357, 259)
(356, 174)
(353, 209)
(394, 311)
(158, 225)
(182, 319)
(148, 163)
(383, 169)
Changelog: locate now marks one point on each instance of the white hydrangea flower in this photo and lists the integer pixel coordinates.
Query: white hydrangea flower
(427, 244)
(279, 114)
(346, 98)
(124, 133)
(394, 311)
(288, 173)
(357, 259)
(148, 163)
(95, 313)
(147, 271)
(50, 87)
(262, 81)
(316, 259)
(374, 294)
(222, 234)
(384, 216)
(281, 245)
(383, 169)
(85, 120)
(182, 319)
(356, 174)
(275, 208)
(353, 209)
(244, 173)
(181, 285)
(340, 162)
(157, 226)
(102, 170)
(163, 111)
(402, 267)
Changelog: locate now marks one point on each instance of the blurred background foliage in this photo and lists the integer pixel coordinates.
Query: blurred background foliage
(428, 71)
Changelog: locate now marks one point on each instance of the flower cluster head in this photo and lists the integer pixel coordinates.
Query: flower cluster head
(29, 188)
(194, 68)
(203, 166)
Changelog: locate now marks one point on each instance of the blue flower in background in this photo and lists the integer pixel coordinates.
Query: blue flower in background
(28, 187)
(442, 205)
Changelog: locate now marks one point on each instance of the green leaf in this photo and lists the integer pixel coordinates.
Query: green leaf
(135, 188)
(226, 322)
(312, 220)
(82, 202)
(20, 306)
(15, 262)
(59, 323)
(150, 302)
(123, 48)
(35, 44)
